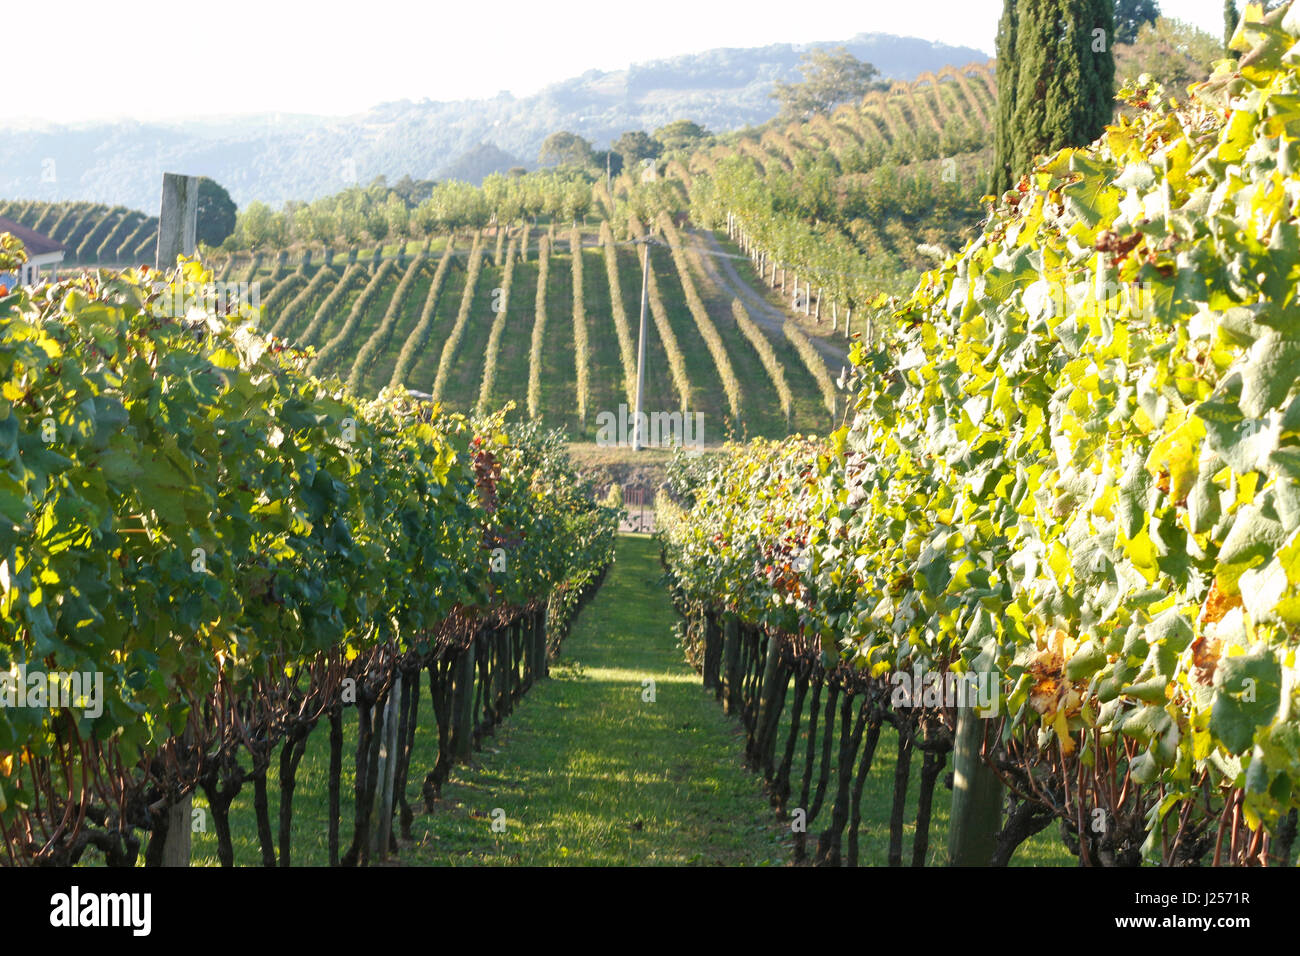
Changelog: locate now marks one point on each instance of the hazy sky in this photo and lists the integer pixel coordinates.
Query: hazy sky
(87, 59)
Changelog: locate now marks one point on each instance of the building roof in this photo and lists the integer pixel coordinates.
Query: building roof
(35, 243)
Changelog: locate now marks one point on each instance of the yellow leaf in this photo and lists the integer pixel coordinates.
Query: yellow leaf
(1141, 550)
(839, 438)
(1063, 732)
(1179, 452)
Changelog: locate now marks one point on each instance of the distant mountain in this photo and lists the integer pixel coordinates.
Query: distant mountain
(273, 157)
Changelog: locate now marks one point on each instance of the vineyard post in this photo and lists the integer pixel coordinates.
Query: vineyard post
(637, 435)
(177, 220)
(177, 236)
(529, 650)
(387, 767)
(731, 663)
(976, 814)
(542, 651)
(708, 678)
(765, 732)
(463, 704)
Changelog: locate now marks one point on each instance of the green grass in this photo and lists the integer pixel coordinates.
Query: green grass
(588, 772)
(559, 398)
(511, 382)
(659, 394)
(608, 387)
(385, 360)
(707, 395)
(425, 368)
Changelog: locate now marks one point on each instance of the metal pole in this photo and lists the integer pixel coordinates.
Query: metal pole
(637, 437)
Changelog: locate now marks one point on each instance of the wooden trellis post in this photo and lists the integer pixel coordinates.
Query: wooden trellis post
(382, 831)
(178, 217)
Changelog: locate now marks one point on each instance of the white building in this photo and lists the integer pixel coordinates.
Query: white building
(43, 254)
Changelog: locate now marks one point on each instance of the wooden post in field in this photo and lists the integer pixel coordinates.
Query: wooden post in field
(976, 815)
(732, 700)
(768, 709)
(382, 831)
(463, 704)
(178, 225)
(178, 218)
(543, 652)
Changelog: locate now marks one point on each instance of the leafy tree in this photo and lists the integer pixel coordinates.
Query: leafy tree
(397, 216)
(1174, 53)
(216, 212)
(1130, 15)
(425, 217)
(576, 201)
(680, 134)
(612, 157)
(637, 145)
(1056, 78)
(259, 226)
(564, 148)
(830, 77)
(351, 224)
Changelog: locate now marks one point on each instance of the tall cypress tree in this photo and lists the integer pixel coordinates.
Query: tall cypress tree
(1056, 80)
(1005, 131)
(1229, 21)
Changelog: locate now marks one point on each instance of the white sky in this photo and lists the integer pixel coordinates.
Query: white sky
(94, 59)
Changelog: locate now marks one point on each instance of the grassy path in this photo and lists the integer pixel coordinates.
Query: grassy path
(588, 772)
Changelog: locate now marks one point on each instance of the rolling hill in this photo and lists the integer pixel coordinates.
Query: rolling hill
(274, 158)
